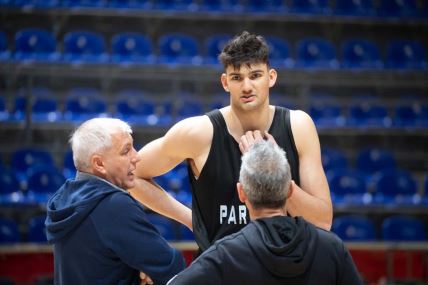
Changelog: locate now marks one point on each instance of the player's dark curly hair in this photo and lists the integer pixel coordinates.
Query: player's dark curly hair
(246, 49)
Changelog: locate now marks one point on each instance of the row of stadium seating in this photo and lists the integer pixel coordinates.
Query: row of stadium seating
(385, 8)
(127, 48)
(348, 227)
(142, 109)
(375, 180)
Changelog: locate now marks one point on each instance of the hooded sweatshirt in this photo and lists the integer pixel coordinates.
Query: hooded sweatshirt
(101, 235)
(276, 250)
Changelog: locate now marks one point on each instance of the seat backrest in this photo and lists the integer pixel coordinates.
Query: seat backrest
(26, 158)
(279, 50)
(315, 6)
(68, 168)
(353, 7)
(333, 159)
(45, 180)
(398, 8)
(354, 228)
(37, 229)
(347, 181)
(34, 40)
(9, 232)
(3, 42)
(8, 181)
(393, 182)
(371, 160)
(360, 50)
(85, 100)
(213, 46)
(313, 50)
(403, 228)
(177, 45)
(405, 54)
(129, 43)
(84, 42)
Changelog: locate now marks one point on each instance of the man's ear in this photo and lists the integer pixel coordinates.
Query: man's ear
(97, 164)
(241, 194)
(272, 77)
(290, 189)
(223, 80)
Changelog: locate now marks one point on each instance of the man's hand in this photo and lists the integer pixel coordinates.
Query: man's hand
(145, 279)
(251, 137)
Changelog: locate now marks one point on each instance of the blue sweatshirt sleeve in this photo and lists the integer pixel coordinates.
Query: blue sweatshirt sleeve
(124, 228)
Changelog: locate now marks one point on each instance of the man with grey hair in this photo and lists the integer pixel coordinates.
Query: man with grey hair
(100, 233)
(274, 248)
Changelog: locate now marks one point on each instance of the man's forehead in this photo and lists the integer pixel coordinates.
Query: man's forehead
(245, 68)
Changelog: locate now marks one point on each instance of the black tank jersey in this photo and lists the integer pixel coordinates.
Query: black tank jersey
(216, 208)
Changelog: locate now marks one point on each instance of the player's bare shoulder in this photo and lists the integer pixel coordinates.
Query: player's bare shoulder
(300, 120)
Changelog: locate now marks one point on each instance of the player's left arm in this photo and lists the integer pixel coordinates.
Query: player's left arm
(312, 199)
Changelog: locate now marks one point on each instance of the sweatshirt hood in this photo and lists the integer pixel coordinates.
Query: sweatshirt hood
(73, 202)
(284, 245)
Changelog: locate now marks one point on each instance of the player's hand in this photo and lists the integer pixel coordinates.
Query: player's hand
(145, 279)
(252, 137)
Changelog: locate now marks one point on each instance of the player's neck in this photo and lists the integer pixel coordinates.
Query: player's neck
(240, 122)
(266, 213)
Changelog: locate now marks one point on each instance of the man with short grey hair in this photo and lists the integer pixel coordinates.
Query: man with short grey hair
(274, 248)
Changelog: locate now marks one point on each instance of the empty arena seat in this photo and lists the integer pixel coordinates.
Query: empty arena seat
(403, 228)
(395, 186)
(10, 189)
(367, 114)
(130, 4)
(25, 160)
(373, 159)
(68, 168)
(84, 47)
(43, 182)
(30, 4)
(9, 232)
(45, 105)
(132, 48)
(354, 228)
(316, 53)
(279, 52)
(333, 159)
(177, 5)
(134, 107)
(266, 6)
(406, 54)
(34, 44)
(411, 115)
(188, 107)
(349, 187)
(355, 8)
(4, 47)
(37, 229)
(221, 6)
(399, 8)
(327, 114)
(4, 112)
(360, 53)
(213, 45)
(311, 6)
(84, 3)
(178, 49)
(83, 104)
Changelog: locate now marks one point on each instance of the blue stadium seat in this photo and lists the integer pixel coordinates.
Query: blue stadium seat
(406, 54)
(411, 115)
(4, 112)
(188, 107)
(186, 234)
(43, 182)
(327, 114)
(37, 229)
(354, 228)
(10, 190)
(403, 228)
(355, 8)
(84, 103)
(372, 159)
(279, 52)
(45, 106)
(177, 5)
(369, 115)
(25, 160)
(130, 4)
(164, 225)
(399, 8)
(4, 47)
(266, 6)
(19, 109)
(316, 53)
(134, 107)
(132, 48)
(217, 6)
(360, 54)
(42, 4)
(84, 3)
(396, 187)
(68, 168)
(34, 44)
(178, 49)
(311, 6)
(85, 47)
(9, 232)
(349, 187)
(213, 45)
(333, 159)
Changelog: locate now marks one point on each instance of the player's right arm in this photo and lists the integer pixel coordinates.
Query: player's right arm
(188, 139)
